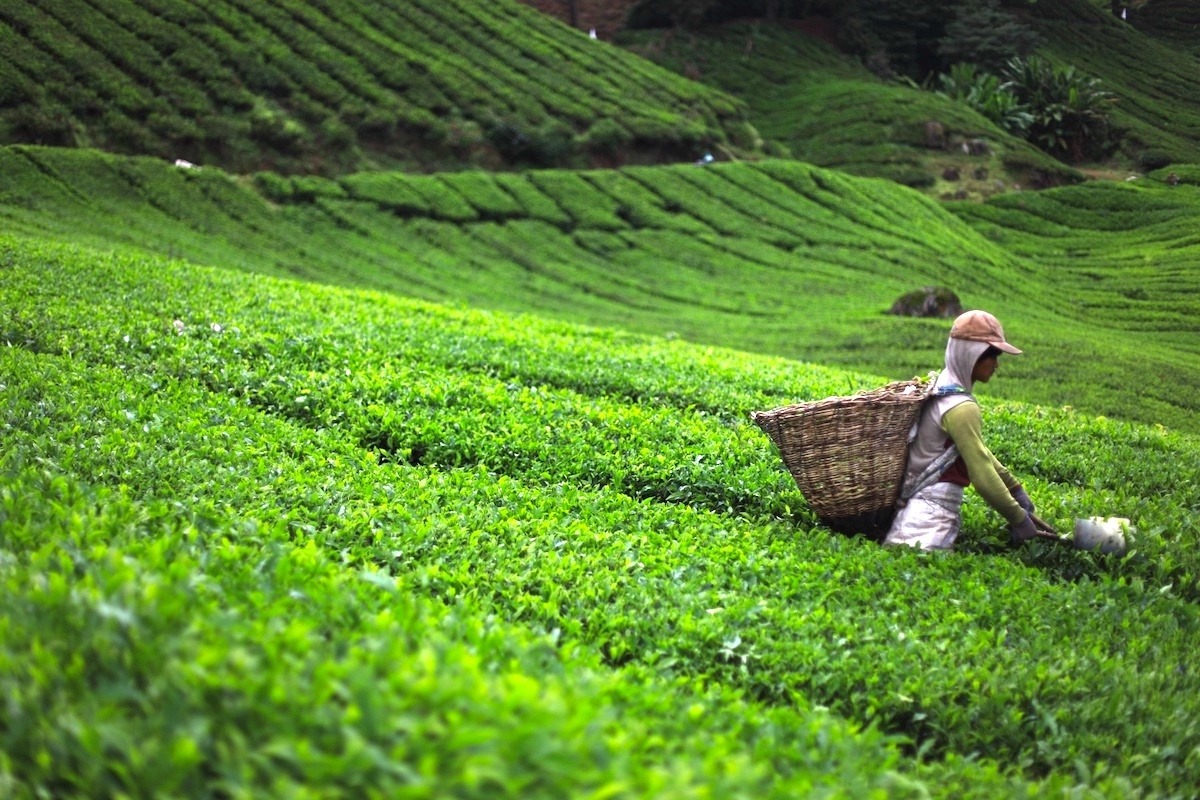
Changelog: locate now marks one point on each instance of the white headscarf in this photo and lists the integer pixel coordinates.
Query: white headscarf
(930, 439)
(961, 357)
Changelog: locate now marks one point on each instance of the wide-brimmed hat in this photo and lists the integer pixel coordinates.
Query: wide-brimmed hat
(980, 326)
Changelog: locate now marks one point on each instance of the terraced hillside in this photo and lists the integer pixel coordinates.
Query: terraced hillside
(274, 524)
(1157, 83)
(830, 110)
(1174, 21)
(775, 257)
(328, 87)
(826, 108)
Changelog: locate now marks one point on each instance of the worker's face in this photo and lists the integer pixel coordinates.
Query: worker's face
(985, 368)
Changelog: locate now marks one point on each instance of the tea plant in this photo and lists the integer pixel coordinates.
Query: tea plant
(330, 87)
(776, 257)
(235, 433)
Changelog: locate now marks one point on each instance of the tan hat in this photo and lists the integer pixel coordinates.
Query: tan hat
(980, 326)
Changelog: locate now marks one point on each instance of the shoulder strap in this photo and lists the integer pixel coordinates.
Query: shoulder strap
(949, 389)
(930, 476)
(934, 471)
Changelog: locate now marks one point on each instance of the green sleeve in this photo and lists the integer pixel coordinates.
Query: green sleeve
(964, 424)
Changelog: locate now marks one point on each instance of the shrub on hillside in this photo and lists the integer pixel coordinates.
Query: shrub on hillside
(1070, 109)
(273, 186)
(932, 301)
(50, 125)
(1155, 159)
(988, 95)
(547, 145)
(606, 135)
(745, 136)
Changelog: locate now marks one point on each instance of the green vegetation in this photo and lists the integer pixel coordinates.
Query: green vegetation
(1174, 21)
(331, 87)
(1155, 81)
(337, 87)
(825, 108)
(1069, 111)
(315, 484)
(775, 257)
(319, 540)
(987, 94)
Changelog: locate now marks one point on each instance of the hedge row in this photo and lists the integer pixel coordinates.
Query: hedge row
(246, 408)
(800, 262)
(324, 88)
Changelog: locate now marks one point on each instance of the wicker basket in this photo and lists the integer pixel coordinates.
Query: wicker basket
(848, 454)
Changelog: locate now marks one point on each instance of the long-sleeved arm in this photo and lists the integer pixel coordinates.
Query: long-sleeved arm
(964, 424)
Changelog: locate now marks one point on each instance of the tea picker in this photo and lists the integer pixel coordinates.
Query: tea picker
(894, 462)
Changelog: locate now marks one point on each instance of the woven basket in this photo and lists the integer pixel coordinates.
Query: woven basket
(848, 454)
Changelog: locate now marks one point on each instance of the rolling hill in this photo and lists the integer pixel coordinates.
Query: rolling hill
(259, 535)
(826, 108)
(333, 87)
(324, 478)
(776, 257)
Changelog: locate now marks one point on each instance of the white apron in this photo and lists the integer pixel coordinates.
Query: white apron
(930, 519)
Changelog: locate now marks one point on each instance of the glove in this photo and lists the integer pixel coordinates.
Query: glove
(1023, 531)
(1022, 497)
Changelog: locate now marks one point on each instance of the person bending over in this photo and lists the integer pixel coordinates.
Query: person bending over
(947, 453)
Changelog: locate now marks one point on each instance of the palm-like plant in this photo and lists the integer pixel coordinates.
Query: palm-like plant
(988, 95)
(1069, 109)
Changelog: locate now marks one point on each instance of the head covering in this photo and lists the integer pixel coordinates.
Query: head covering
(927, 440)
(980, 326)
(961, 357)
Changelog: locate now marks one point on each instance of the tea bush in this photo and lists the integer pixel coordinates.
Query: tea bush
(332, 87)
(776, 257)
(598, 529)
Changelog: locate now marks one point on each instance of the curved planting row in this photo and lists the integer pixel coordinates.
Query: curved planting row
(254, 414)
(826, 108)
(323, 87)
(1155, 82)
(775, 257)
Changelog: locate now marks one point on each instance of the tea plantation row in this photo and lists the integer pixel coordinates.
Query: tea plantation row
(775, 257)
(265, 536)
(829, 109)
(1153, 77)
(330, 87)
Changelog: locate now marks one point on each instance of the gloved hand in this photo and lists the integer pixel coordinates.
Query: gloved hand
(1022, 497)
(1023, 531)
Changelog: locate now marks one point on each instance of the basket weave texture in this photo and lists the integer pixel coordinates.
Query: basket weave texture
(848, 454)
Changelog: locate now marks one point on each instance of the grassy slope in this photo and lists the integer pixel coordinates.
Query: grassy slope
(1174, 21)
(776, 257)
(1157, 83)
(562, 595)
(330, 87)
(828, 109)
